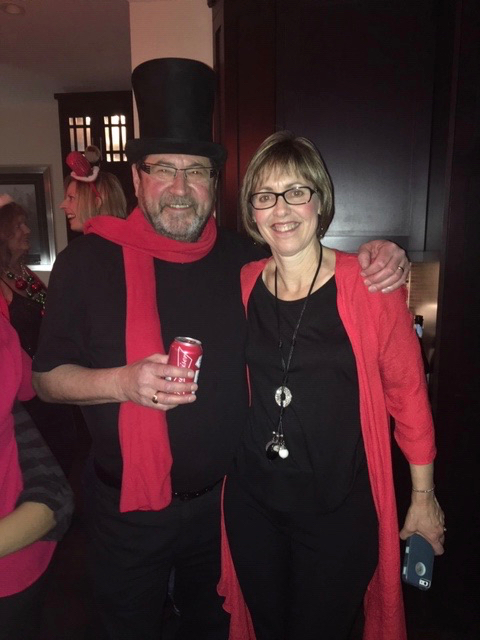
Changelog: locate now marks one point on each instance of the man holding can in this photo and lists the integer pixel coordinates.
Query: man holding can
(117, 299)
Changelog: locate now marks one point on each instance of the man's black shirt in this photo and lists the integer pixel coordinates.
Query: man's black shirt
(85, 325)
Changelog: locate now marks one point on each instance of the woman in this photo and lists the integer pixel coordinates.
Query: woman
(25, 296)
(29, 516)
(90, 192)
(309, 505)
(18, 282)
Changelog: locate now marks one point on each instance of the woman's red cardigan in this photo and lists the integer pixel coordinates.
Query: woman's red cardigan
(392, 383)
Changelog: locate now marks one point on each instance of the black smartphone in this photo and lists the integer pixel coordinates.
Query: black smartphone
(418, 562)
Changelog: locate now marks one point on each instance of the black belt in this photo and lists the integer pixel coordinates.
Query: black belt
(189, 495)
(112, 481)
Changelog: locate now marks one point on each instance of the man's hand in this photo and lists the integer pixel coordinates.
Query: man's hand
(384, 264)
(144, 382)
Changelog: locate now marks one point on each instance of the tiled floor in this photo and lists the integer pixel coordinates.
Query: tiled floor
(450, 610)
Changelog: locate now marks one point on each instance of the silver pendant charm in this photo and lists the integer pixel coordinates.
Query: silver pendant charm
(283, 452)
(283, 396)
(272, 447)
(276, 447)
(271, 450)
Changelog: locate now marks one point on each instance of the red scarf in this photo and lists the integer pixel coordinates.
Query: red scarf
(143, 432)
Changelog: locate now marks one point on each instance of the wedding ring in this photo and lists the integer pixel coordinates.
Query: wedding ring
(155, 398)
(402, 269)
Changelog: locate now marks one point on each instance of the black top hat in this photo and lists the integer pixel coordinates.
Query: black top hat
(175, 99)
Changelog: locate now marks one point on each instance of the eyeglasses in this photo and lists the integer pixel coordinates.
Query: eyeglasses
(166, 173)
(268, 199)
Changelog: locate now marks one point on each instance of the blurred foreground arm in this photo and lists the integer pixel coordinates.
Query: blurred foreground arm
(25, 525)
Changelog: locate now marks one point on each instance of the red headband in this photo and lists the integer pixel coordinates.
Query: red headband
(82, 170)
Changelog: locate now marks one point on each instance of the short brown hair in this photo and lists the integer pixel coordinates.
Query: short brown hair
(9, 214)
(113, 199)
(286, 152)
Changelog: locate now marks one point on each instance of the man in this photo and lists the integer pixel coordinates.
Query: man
(117, 299)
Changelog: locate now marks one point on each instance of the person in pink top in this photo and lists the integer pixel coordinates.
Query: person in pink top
(23, 557)
(309, 504)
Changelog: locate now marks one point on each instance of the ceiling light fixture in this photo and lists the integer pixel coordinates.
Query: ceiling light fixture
(12, 9)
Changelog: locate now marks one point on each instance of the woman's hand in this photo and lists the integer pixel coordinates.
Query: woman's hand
(384, 264)
(425, 516)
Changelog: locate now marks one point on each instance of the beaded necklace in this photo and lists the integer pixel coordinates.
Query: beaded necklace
(32, 286)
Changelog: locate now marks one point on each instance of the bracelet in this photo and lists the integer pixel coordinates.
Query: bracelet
(424, 490)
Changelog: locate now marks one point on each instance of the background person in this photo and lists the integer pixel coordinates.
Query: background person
(90, 192)
(166, 271)
(25, 295)
(310, 504)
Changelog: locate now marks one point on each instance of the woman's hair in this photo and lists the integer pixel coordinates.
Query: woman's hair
(113, 199)
(9, 214)
(283, 152)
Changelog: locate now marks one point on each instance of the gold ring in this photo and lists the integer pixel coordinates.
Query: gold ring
(402, 269)
(155, 398)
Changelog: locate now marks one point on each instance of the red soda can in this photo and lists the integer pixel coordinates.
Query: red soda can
(186, 352)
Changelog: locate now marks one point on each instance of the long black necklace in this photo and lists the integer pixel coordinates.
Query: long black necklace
(283, 396)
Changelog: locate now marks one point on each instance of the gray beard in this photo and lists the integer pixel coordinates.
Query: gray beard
(192, 234)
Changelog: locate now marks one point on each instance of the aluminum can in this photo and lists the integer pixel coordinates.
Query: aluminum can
(186, 352)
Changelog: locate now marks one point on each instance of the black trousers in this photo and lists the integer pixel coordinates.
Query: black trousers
(20, 614)
(132, 555)
(302, 575)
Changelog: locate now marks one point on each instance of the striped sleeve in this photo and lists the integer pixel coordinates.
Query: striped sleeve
(43, 479)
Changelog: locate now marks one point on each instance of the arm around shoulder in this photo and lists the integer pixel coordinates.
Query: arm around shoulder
(384, 264)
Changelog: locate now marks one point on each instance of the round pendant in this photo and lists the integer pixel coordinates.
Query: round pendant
(283, 396)
(283, 452)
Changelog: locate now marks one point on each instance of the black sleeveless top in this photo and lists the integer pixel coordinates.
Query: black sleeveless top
(26, 319)
(321, 424)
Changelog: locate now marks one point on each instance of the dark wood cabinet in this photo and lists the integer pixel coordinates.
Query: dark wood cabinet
(244, 59)
(357, 79)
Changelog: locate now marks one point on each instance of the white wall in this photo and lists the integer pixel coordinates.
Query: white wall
(29, 135)
(170, 28)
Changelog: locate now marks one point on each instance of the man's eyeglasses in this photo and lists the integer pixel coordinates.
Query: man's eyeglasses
(166, 173)
(268, 199)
